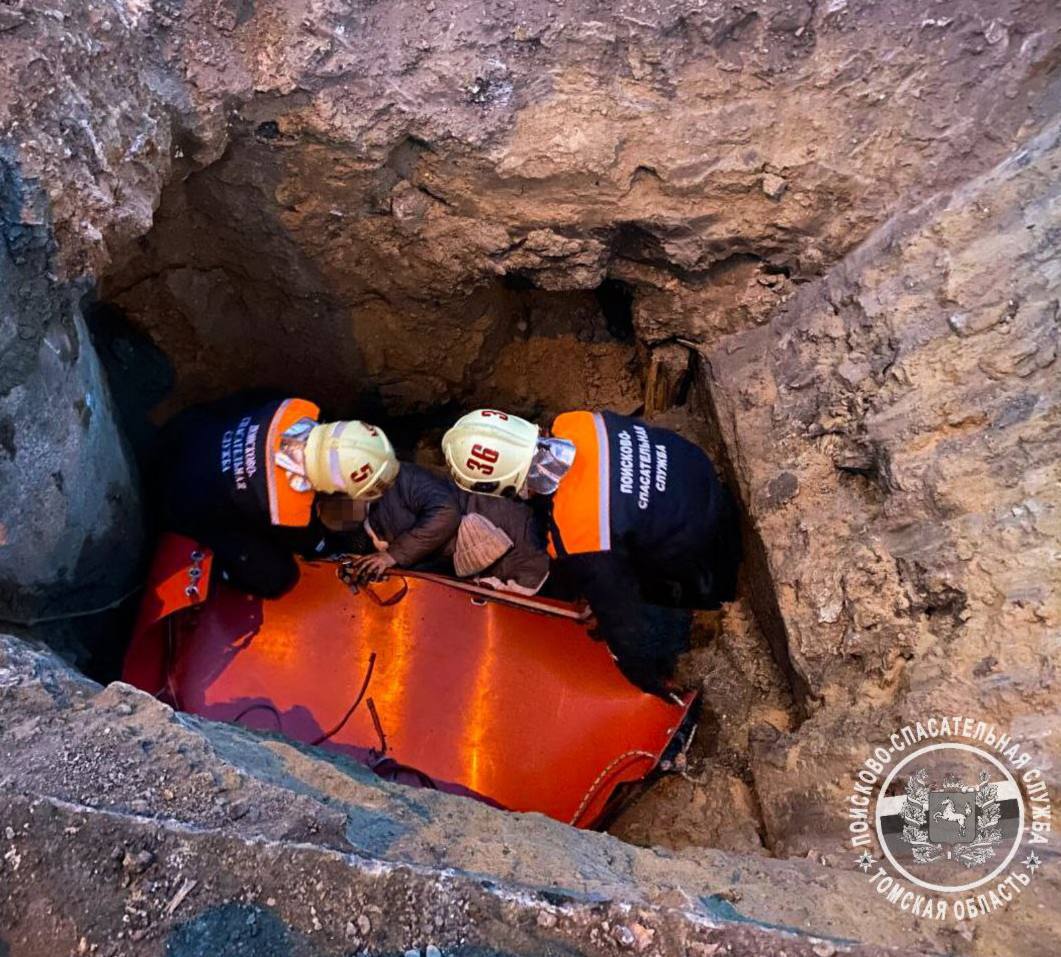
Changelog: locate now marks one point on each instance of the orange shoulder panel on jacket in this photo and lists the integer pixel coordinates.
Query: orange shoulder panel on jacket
(581, 503)
(287, 506)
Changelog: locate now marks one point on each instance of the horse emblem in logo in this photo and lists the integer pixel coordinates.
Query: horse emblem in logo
(951, 821)
(950, 814)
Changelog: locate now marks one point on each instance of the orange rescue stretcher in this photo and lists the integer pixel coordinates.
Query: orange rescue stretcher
(426, 679)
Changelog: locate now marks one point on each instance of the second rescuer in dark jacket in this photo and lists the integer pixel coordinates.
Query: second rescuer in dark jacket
(242, 475)
(638, 520)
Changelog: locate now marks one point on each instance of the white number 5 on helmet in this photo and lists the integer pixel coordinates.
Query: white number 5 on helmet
(352, 457)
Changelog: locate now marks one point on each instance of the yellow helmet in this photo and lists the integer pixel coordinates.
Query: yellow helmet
(351, 457)
(490, 452)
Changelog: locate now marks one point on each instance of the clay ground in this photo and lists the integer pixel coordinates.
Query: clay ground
(819, 238)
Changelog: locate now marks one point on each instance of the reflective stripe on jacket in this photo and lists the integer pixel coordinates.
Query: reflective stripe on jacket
(581, 511)
(287, 506)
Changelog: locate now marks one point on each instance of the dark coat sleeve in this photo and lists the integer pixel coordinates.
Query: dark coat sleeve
(433, 502)
(527, 563)
(645, 639)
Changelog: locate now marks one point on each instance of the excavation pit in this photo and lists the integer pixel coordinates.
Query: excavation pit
(547, 351)
(817, 239)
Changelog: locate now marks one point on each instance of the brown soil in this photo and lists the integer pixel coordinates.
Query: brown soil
(820, 239)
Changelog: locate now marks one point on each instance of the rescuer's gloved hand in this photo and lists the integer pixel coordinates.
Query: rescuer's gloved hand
(372, 568)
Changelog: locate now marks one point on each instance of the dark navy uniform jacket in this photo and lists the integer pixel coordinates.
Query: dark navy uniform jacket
(221, 465)
(216, 480)
(636, 488)
(639, 522)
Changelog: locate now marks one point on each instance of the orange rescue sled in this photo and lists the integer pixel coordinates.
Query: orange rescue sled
(507, 699)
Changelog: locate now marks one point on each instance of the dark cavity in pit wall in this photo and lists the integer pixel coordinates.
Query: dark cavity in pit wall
(141, 377)
(616, 299)
(138, 373)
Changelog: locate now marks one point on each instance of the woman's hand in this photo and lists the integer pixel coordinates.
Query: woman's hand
(372, 568)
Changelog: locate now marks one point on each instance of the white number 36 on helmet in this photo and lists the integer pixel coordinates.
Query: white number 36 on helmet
(490, 452)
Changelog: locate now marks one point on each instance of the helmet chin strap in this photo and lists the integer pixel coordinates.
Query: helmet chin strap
(552, 461)
(291, 456)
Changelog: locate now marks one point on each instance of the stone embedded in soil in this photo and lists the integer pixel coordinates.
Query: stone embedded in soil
(773, 186)
(139, 862)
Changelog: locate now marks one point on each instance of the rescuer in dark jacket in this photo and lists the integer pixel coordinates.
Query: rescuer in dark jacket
(639, 523)
(243, 475)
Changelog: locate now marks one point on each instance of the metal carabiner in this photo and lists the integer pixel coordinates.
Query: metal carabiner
(345, 574)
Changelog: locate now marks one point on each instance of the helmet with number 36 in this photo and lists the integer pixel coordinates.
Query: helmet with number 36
(490, 452)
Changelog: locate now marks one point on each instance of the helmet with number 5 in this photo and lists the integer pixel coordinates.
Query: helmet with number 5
(351, 457)
(490, 452)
